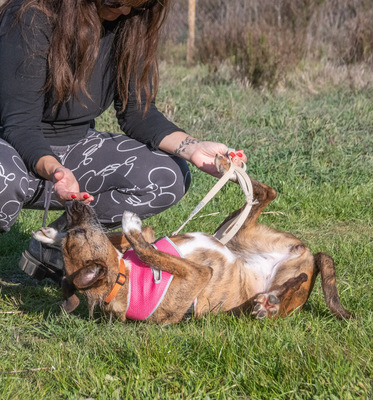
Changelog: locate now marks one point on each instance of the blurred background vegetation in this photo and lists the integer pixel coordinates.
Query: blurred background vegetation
(276, 43)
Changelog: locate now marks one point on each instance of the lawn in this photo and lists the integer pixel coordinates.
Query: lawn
(316, 150)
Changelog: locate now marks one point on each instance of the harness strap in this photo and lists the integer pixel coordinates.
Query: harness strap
(120, 281)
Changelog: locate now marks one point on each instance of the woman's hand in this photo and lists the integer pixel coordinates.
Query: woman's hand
(200, 153)
(66, 187)
(203, 157)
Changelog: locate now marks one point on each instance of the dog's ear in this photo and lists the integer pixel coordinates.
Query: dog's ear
(70, 304)
(89, 275)
(71, 300)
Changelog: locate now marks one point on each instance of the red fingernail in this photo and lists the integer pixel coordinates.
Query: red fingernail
(86, 196)
(73, 196)
(239, 154)
(232, 154)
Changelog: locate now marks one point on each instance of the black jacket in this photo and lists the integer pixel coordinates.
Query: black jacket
(26, 112)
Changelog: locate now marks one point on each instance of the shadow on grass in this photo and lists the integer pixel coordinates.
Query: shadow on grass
(18, 291)
(317, 310)
(32, 296)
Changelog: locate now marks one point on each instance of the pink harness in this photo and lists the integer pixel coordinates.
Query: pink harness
(147, 286)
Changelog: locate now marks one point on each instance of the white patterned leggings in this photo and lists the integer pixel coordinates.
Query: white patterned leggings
(121, 173)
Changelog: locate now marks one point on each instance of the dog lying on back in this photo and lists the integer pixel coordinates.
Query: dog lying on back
(260, 271)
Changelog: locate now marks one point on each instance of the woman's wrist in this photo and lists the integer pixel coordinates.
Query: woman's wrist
(181, 144)
(46, 167)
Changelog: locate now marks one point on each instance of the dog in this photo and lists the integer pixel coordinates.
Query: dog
(261, 271)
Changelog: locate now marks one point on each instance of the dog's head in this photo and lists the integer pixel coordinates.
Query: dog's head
(91, 255)
(87, 251)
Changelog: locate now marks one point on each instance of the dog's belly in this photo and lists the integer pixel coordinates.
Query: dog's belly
(252, 268)
(259, 268)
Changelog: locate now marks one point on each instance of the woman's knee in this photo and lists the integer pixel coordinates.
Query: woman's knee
(151, 191)
(123, 174)
(184, 170)
(13, 185)
(163, 185)
(173, 178)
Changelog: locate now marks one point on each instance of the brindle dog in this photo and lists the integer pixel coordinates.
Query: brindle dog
(260, 271)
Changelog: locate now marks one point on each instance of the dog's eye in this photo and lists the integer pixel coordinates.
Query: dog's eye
(87, 263)
(92, 263)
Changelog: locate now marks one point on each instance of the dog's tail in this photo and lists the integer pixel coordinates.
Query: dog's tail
(325, 264)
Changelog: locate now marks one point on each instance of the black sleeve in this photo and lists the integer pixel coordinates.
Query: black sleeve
(150, 128)
(23, 65)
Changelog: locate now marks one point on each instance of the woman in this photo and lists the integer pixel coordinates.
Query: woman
(62, 64)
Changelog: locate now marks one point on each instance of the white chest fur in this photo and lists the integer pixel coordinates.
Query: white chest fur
(203, 241)
(263, 266)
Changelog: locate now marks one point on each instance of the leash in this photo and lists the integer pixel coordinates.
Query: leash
(230, 228)
(48, 187)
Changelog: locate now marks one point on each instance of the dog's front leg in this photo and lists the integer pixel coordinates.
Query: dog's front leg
(262, 196)
(149, 255)
(189, 278)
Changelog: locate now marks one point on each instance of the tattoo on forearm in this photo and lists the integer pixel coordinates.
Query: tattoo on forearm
(182, 148)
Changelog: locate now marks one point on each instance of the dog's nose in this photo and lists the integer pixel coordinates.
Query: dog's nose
(75, 212)
(79, 212)
(72, 206)
(68, 205)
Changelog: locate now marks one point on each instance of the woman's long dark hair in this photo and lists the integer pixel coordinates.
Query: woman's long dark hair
(76, 32)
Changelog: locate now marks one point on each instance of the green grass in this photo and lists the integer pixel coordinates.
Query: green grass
(317, 152)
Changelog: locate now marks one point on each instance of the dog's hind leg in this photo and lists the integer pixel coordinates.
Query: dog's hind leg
(276, 301)
(293, 283)
(262, 196)
(289, 286)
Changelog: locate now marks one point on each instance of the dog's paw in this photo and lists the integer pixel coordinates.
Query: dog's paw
(222, 164)
(47, 235)
(130, 222)
(267, 306)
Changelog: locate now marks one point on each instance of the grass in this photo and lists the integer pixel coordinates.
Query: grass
(316, 151)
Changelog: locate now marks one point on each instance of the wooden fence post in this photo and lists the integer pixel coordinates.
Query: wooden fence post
(191, 30)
